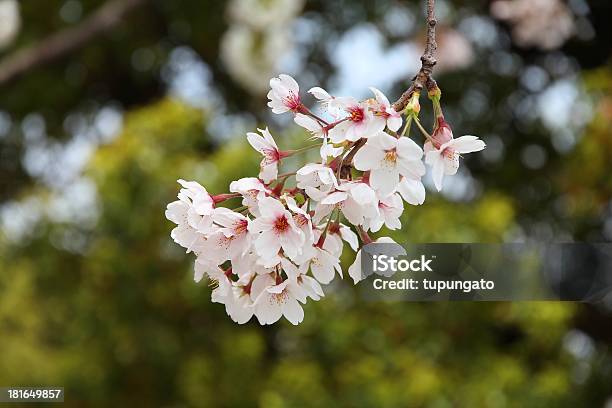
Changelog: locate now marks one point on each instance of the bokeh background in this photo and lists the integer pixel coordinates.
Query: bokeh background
(104, 104)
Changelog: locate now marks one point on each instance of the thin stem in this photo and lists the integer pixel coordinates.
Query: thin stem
(303, 149)
(407, 126)
(349, 157)
(219, 198)
(365, 238)
(427, 135)
(428, 60)
(310, 113)
(324, 234)
(334, 124)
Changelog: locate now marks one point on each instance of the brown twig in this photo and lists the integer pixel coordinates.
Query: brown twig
(345, 169)
(107, 16)
(423, 78)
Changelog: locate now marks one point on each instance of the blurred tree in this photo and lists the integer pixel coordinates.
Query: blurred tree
(98, 300)
(119, 320)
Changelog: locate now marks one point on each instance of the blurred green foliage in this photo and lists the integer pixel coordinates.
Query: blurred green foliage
(110, 310)
(123, 323)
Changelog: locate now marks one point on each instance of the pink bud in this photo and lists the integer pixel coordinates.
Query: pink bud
(442, 134)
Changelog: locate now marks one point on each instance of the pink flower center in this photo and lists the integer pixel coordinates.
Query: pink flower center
(383, 112)
(356, 114)
(448, 153)
(281, 224)
(279, 298)
(240, 227)
(300, 220)
(292, 101)
(271, 156)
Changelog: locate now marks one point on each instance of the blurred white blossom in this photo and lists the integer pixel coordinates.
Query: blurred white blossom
(545, 24)
(261, 14)
(257, 39)
(10, 22)
(454, 50)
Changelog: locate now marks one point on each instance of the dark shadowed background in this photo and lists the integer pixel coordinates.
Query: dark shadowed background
(104, 104)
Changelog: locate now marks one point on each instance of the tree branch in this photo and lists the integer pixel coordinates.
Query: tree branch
(428, 60)
(61, 43)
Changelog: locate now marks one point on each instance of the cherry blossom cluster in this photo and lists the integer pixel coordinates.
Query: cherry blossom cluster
(276, 250)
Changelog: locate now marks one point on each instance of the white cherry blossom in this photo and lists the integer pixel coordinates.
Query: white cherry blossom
(355, 270)
(316, 175)
(239, 305)
(443, 154)
(265, 144)
(275, 252)
(284, 95)
(356, 200)
(358, 124)
(252, 190)
(247, 264)
(301, 218)
(276, 229)
(309, 285)
(237, 299)
(218, 278)
(313, 126)
(231, 240)
(277, 300)
(338, 233)
(384, 112)
(192, 214)
(387, 157)
(412, 190)
(333, 105)
(200, 199)
(324, 265)
(184, 234)
(390, 209)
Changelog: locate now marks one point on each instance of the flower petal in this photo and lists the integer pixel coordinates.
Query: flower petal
(467, 144)
(369, 157)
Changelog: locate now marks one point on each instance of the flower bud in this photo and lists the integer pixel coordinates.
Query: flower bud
(442, 134)
(434, 93)
(413, 105)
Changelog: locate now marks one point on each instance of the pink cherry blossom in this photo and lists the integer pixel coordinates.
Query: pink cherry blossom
(273, 253)
(231, 239)
(356, 200)
(252, 190)
(390, 209)
(275, 229)
(356, 272)
(412, 190)
(277, 300)
(387, 157)
(358, 124)
(265, 144)
(443, 153)
(284, 95)
(384, 114)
